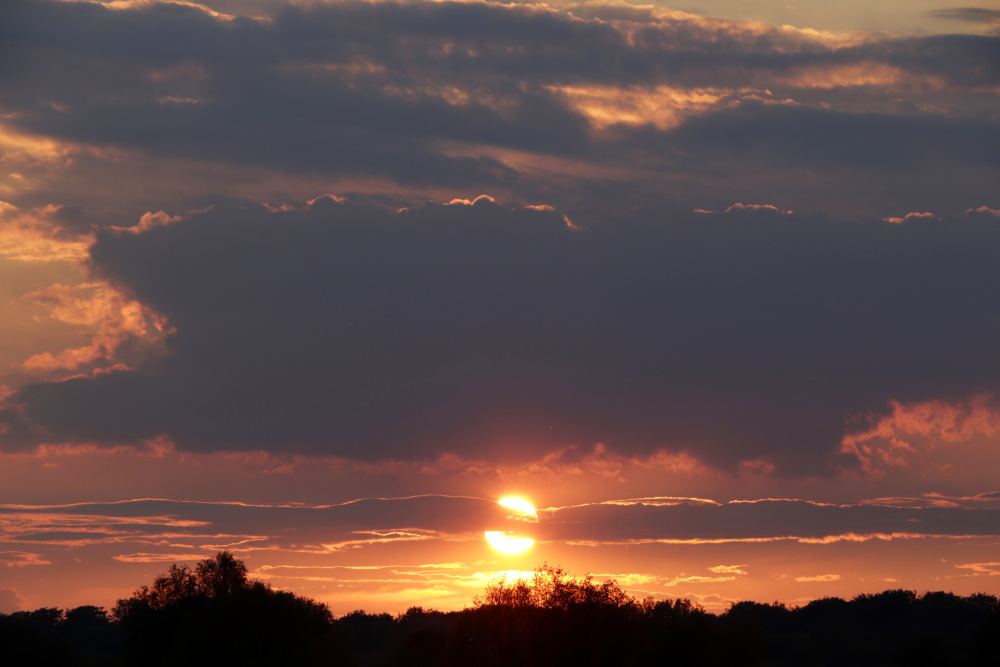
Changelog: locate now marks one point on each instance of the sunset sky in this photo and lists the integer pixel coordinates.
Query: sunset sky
(714, 285)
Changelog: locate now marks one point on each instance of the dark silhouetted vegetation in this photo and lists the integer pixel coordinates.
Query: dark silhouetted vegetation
(216, 615)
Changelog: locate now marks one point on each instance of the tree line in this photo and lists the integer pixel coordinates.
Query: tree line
(216, 615)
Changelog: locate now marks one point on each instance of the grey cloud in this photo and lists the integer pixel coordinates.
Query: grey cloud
(362, 89)
(145, 525)
(970, 14)
(145, 522)
(350, 330)
(764, 519)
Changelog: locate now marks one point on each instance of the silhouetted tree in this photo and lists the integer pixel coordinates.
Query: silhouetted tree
(370, 635)
(682, 630)
(222, 575)
(539, 622)
(551, 588)
(216, 615)
(30, 639)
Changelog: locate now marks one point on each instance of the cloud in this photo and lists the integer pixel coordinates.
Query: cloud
(346, 330)
(174, 530)
(909, 216)
(912, 430)
(759, 521)
(819, 578)
(21, 559)
(970, 14)
(114, 321)
(164, 530)
(419, 97)
(36, 236)
(10, 601)
(981, 569)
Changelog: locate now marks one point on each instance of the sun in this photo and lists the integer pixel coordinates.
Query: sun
(509, 541)
(518, 504)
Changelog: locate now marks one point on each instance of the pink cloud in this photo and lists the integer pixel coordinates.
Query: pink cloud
(982, 569)
(819, 578)
(107, 315)
(21, 559)
(910, 216)
(756, 207)
(911, 429)
(986, 210)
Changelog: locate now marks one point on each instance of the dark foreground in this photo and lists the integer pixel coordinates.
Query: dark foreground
(214, 615)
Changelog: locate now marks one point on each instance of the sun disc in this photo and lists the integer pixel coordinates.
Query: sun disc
(518, 505)
(508, 544)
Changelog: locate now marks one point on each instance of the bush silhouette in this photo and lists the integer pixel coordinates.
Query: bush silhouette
(214, 614)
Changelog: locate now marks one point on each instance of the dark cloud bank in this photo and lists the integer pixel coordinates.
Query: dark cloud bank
(420, 93)
(346, 329)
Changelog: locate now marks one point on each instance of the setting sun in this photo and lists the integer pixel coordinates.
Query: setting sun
(512, 541)
(506, 543)
(518, 504)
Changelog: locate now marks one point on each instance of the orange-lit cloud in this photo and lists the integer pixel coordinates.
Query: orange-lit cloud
(21, 559)
(911, 430)
(110, 317)
(981, 569)
(859, 74)
(150, 220)
(32, 236)
(819, 578)
(162, 557)
(911, 216)
(662, 106)
(694, 579)
(985, 210)
(738, 206)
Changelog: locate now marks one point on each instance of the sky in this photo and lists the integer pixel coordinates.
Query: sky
(713, 285)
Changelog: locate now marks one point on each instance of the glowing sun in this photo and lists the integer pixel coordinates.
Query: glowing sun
(518, 505)
(508, 541)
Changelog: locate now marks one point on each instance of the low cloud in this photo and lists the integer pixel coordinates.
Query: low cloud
(761, 521)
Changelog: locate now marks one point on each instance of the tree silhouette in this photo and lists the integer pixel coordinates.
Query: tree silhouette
(222, 575)
(540, 622)
(551, 588)
(216, 615)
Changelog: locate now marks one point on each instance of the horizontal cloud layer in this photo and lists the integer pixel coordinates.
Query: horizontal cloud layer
(150, 530)
(752, 334)
(484, 95)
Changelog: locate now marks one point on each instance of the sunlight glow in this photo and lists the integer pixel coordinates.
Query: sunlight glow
(518, 504)
(507, 543)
